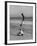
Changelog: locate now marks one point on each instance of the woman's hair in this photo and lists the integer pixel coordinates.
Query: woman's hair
(22, 16)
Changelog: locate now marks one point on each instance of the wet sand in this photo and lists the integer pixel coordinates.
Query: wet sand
(14, 29)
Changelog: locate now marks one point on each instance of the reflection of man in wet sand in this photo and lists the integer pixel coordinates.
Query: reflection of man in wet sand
(21, 31)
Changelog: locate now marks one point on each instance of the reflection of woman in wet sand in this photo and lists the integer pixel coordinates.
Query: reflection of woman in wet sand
(21, 31)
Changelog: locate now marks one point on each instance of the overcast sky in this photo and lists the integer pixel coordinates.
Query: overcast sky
(17, 10)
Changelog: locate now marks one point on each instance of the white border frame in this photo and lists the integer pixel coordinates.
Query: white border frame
(8, 23)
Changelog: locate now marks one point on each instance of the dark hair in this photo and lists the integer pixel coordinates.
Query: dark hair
(22, 16)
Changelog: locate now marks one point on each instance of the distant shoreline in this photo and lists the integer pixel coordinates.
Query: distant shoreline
(20, 18)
